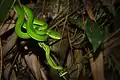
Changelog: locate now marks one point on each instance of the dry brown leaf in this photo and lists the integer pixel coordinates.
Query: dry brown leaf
(34, 65)
(10, 43)
(76, 66)
(4, 27)
(88, 7)
(7, 72)
(97, 67)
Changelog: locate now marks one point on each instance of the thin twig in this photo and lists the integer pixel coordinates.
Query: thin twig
(61, 20)
(58, 6)
(108, 38)
(43, 7)
(59, 15)
(16, 56)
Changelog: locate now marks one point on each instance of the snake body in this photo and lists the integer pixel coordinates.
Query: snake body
(30, 29)
(19, 23)
(37, 30)
(48, 57)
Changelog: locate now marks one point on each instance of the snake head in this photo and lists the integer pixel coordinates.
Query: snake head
(54, 34)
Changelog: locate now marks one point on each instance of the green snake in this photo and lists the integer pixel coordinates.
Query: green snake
(36, 29)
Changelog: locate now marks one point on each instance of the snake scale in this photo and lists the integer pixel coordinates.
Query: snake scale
(35, 29)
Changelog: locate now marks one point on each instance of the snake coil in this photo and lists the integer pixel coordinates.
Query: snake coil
(36, 29)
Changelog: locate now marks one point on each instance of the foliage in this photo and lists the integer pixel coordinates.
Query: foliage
(85, 26)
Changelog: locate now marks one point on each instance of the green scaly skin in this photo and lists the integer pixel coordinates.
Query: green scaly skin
(48, 57)
(19, 23)
(31, 32)
(30, 29)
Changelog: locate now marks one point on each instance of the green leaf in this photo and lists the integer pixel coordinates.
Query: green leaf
(94, 34)
(5, 6)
